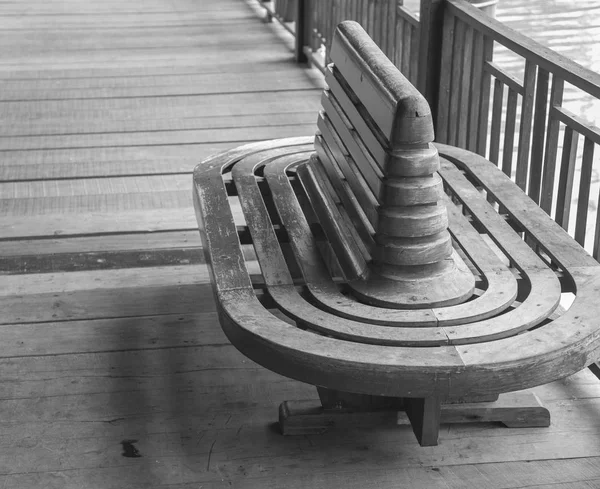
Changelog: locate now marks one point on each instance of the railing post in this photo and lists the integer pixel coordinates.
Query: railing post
(303, 28)
(430, 49)
(430, 46)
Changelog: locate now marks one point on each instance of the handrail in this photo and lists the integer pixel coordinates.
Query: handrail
(522, 45)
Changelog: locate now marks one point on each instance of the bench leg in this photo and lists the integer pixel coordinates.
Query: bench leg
(514, 410)
(425, 416)
(337, 408)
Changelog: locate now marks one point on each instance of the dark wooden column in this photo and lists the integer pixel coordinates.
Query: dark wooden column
(430, 46)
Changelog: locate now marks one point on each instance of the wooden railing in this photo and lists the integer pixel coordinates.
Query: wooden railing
(392, 26)
(522, 125)
(516, 119)
(455, 54)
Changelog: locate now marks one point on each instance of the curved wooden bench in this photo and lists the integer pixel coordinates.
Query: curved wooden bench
(477, 273)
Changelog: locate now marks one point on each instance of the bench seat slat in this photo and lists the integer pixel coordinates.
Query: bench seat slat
(501, 291)
(317, 278)
(272, 262)
(555, 240)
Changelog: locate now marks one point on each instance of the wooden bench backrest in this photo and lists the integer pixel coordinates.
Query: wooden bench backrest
(375, 131)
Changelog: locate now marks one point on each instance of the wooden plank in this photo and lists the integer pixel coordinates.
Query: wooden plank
(341, 99)
(477, 76)
(37, 165)
(509, 133)
(551, 151)
(158, 138)
(584, 191)
(443, 111)
(466, 89)
(496, 121)
(506, 78)
(387, 95)
(106, 243)
(456, 83)
(97, 223)
(160, 68)
(538, 128)
(567, 174)
(354, 194)
(519, 43)
(67, 125)
(367, 166)
(111, 335)
(530, 218)
(67, 262)
(105, 294)
(167, 107)
(180, 86)
(488, 50)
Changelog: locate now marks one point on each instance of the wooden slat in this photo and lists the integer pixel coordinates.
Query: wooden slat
(476, 93)
(344, 101)
(506, 78)
(158, 138)
(509, 133)
(537, 144)
(567, 175)
(557, 244)
(496, 121)
(525, 126)
(354, 145)
(456, 82)
(579, 124)
(466, 90)
(482, 131)
(584, 191)
(519, 43)
(386, 96)
(551, 151)
(357, 199)
(445, 94)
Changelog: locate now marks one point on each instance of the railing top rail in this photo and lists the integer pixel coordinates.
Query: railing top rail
(407, 15)
(522, 45)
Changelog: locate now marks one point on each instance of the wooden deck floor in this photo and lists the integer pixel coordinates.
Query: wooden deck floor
(114, 370)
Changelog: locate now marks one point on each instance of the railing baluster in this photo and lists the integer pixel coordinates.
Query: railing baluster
(380, 24)
(486, 81)
(537, 143)
(399, 57)
(496, 121)
(547, 192)
(475, 98)
(414, 58)
(509, 132)
(406, 49)
(466, 89)
(456, 81)
(596, 248)
(390, 27)
(584, 191)
(443, 115)
(525, 125)
(567, 174)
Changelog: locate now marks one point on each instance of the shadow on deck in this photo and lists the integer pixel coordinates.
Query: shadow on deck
(115, 370)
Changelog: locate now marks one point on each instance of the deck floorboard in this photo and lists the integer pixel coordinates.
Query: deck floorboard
(110, 344)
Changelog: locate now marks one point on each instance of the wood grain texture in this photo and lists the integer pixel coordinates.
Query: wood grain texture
(72, 390)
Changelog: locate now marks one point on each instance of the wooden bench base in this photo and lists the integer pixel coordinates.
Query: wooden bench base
(311, 417)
